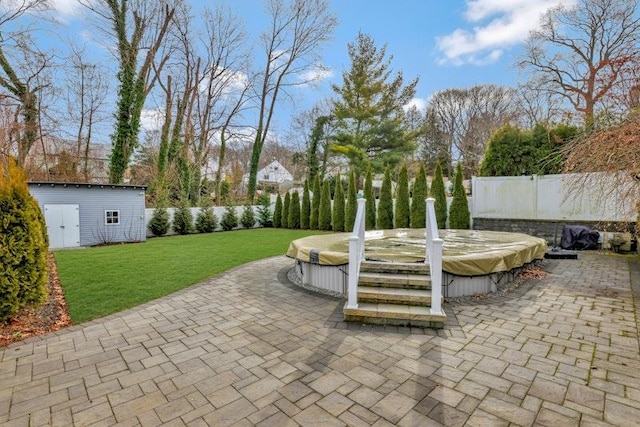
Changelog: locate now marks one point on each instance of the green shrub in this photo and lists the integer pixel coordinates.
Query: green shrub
(402, 199)
(352, 203)
(206, 221)
(229, 219)
(277, 213)
(183, 220)
(285, 210)
(385, 205)
(438, 193)
(418, 205)
(324, 211)
(264, 213)
(305, 210)
(459, 216)
(370, 208)
(159, 223)
(294, 211)
(248, 218)
(315, 204)
(338, 206)
(23, 244)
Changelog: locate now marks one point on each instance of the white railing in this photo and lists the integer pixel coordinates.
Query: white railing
(433, 253)
(356, 255)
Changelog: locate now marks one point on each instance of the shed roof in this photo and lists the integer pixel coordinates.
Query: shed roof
(84, 185)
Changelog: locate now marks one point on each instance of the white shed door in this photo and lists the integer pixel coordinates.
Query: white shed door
(63, 225)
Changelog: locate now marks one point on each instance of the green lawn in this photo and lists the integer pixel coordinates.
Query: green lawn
(104, 280)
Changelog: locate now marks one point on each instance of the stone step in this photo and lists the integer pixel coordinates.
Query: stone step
(395, 267)
(374, 294)
(394, 314)
(394, 280)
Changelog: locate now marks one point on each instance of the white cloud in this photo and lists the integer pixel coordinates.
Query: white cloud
(500, 24)
(419, 103)
(151, 119)
(67, 7)
(316, 74)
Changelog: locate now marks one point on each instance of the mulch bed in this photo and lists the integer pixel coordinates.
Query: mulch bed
(50, 316)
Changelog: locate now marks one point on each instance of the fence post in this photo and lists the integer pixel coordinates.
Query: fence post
(436, 277)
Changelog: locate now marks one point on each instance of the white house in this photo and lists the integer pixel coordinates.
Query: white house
(272, 174)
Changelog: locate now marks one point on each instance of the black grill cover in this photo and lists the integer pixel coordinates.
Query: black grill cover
(578, 237)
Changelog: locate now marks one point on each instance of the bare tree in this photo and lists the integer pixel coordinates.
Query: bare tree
(581, 53)
(297, 29)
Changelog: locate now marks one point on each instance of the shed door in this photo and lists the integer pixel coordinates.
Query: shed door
(63, 225)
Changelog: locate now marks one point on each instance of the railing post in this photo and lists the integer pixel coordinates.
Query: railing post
(354, 266)
(436, 277)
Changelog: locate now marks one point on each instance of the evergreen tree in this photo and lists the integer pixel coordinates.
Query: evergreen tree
(385, 204)
(264, 213)
(206, 221)
(229, 219)
(324, 212)
(285, 210)
(352, 203)
(277, 212)
(159, 223)
(315, 204)
(418, 205)
(459, 216)
(294, 211)
(23, 243)
(183, 220)
(370, 207)
(438, 193)
(402, 199)
(338, 206)
(248, 218)
(305, 210)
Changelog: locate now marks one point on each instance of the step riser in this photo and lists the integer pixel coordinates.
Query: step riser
(383, 267)
(386, 299)
(395, 283)
(394, 322)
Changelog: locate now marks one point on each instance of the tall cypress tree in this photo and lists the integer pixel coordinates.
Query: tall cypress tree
(338, 206)
(352, 203)
(277, 212)
(324, 212)
(305, 210)
(285, 210)
(402, 199)
(315, 203)
(438, 193)
(418, 207)
(294, 211)
(385, 205)
(370, 208)
(459, 217)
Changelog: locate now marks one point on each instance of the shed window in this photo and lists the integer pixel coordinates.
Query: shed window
(112, 217)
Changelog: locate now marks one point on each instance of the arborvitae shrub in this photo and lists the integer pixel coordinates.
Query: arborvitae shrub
(305, 210)
(385, 205)
(264, 212)
(315, 204)
(402, 199)
(23, 243)
(294, 211)
(229, 219)
(352, 203)
(459, 216)
(324, 211)
(338, 207)
(418, 205)
(277, 213)
(182, 220)
(438, 193)
(285, 210)
(206, 221)
(248, 218)
(159, 223)
(370, 208)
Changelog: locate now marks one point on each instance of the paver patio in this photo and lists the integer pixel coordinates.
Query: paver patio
(244, 348)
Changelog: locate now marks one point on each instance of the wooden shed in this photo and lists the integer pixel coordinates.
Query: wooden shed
(91, 214)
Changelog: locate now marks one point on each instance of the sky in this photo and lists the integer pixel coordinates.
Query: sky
(445, 43)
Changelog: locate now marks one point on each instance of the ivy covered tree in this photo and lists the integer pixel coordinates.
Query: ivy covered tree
(440, 196)
(305, 209)
(206, 220)
(369, 113)
(277, 212)
(315, 204)
(248, 217)
(324, 211)
(459, 216)
(285, 210)
(402, 199)
(418, 206)
(385, 204)
(338, 206)
(294, 211)
(352, 203)
(370, 207)
(23, 243)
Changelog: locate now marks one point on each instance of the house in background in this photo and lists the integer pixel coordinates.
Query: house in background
(91, 214)
(272, 175)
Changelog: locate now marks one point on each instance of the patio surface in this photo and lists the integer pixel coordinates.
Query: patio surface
(244, 348)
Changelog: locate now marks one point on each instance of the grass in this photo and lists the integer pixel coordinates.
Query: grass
(104, 280)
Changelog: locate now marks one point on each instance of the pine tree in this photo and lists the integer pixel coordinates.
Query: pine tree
(418, 205)
(294, 211)
(315, 204)
(206, 220)
(23, 244)
(277, 212)
(305, 210)
(438, 193)
(324, 212)
(285, 210)
(248, 218)
(229, 219)
(352, 203)
(159, 223)
(370, 208)
(402, 199)
(183, 220)
(264, 212)
(385, 205)
(459, 217)
(338, 206)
